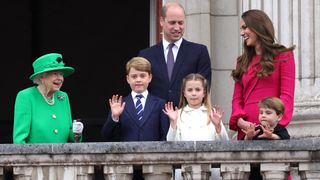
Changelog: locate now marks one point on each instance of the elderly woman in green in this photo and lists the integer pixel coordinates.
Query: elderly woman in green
(42, 113)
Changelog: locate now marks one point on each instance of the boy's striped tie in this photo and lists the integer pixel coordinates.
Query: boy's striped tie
(139, 107)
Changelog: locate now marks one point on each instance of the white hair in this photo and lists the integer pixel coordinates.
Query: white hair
(37, 78)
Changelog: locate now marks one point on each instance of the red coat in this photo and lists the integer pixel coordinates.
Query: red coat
(251, 90)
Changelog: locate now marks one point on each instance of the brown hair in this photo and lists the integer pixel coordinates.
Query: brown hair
(273, 103)
(139, 63)
(259, 22)
(206, 99)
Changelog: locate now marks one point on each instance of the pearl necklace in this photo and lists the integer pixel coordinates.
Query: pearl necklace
(49, 101)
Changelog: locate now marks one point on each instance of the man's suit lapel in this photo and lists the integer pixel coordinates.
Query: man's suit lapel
(150, 103)
(162, 61)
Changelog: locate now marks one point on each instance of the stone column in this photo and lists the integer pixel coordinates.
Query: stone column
(306, 120)
(225, 48)
(275, 171)
(120, 172)
(155, 172)
(235, 171)
(309, 171)
(198, 25)
(196, 171)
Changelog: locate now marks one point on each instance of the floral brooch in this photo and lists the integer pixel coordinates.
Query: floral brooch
(61, 97)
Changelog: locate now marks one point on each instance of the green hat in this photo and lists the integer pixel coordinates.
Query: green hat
(50, 62)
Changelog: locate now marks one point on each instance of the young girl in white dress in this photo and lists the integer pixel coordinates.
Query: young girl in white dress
(195, 119)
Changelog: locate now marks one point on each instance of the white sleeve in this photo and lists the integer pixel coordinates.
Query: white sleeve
(223, 135)
(171, 135)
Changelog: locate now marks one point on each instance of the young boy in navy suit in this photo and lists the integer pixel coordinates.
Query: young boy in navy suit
(124, 121)
(127, 120)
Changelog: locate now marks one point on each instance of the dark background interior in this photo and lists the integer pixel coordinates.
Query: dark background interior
(97, 38)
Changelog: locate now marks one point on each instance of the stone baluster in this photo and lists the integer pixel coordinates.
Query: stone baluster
(154, 172)
(22, 173)
(196, 171)
(54, 172)
(118, 172)
(275, 171)
(85, 172)
(1, 173)
(309, 171)
(235, 171)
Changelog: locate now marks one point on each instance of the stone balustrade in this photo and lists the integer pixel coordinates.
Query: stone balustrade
(157, 160)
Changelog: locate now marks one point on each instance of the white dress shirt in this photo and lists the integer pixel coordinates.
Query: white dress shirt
(143, 99)
(175, 48)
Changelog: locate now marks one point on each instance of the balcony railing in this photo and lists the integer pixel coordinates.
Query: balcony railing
(117, 160)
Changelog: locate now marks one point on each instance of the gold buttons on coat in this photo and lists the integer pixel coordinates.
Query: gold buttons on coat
(54, 116)
(56, 131)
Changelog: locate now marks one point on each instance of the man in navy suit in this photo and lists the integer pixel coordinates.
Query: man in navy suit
(129, 123)
(189, 57)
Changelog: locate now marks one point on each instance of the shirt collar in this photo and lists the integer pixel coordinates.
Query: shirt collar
(144, 94)
(165, 43)
(189, 109)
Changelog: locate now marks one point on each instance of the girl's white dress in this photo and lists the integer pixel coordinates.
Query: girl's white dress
(192, 125)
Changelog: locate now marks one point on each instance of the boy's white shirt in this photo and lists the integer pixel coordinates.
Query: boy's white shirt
(192, 125)
(143, 100)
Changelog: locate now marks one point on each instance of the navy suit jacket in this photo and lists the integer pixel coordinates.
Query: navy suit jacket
(191, 58)
(153, 126)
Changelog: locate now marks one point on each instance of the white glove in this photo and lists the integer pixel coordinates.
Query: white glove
(77, 127)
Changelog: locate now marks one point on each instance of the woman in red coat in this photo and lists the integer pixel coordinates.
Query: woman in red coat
(264, 69)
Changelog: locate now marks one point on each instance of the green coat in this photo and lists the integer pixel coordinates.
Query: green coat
(35, 121)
